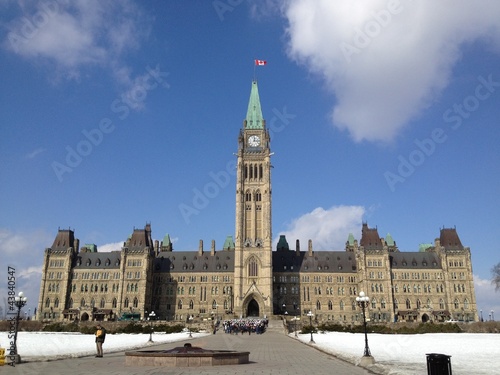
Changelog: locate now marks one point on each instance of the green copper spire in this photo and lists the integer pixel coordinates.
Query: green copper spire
(228, 243)
(389, 240)
(166, 244)
(350, 239)
(254, 114)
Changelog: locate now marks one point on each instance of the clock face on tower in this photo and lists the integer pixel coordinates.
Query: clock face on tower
(254, 141)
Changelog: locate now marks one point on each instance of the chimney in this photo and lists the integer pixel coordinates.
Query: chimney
(297, 247)
(310, 248)
(212, 250)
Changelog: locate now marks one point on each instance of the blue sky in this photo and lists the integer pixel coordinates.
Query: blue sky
(117, 115)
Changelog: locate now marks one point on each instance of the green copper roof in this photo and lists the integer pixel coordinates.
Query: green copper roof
(388, 240)
(424, 246)
(282, 243)
(228, 243)
(92, 247)
(166, 240)
(254, 113)
(350, 239)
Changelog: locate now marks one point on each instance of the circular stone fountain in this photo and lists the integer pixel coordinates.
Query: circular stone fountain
(185, 356)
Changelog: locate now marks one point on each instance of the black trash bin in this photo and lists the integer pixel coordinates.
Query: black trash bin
(438, 364)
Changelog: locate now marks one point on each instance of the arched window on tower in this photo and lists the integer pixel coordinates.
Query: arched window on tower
(258, 196)
(261, 174)
(252, 268)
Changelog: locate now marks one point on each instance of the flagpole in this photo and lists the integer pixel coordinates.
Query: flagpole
(254, 64)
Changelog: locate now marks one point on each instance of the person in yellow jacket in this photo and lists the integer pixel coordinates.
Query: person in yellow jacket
(100, 335)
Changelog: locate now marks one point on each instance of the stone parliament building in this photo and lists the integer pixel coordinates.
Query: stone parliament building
(247, 278)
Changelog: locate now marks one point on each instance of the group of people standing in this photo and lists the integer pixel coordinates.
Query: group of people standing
(246, 325)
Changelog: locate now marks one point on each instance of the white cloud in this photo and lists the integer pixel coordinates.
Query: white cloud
(328, 229)
(35, 152)
(385, 60)
(72, 36)
(23, 252)
(106, 248)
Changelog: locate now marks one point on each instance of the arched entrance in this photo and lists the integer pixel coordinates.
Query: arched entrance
(425, 318)
(253, 308)
(85, 317)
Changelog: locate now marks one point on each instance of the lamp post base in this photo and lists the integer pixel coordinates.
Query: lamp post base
(15, 358)
(366, 361)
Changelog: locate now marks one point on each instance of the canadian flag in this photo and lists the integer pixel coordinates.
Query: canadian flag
(260, 62)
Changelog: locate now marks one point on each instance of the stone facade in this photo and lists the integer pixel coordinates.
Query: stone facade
(247, 278)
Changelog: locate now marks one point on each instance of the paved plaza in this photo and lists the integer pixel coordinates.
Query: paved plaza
(270, 353)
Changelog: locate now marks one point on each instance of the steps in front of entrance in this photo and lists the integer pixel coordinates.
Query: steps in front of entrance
(275, 325)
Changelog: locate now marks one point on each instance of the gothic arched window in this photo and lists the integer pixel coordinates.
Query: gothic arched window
(252, 268)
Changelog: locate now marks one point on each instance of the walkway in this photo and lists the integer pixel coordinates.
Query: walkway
(270, 353)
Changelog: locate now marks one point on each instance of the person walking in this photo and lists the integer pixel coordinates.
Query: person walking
(100, 336)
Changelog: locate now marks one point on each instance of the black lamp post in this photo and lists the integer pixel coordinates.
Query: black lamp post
(310, 315)
(19, 300)
(295, 325)
(151, 317)
(363, 302)
(481, 311)
(492, 316)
